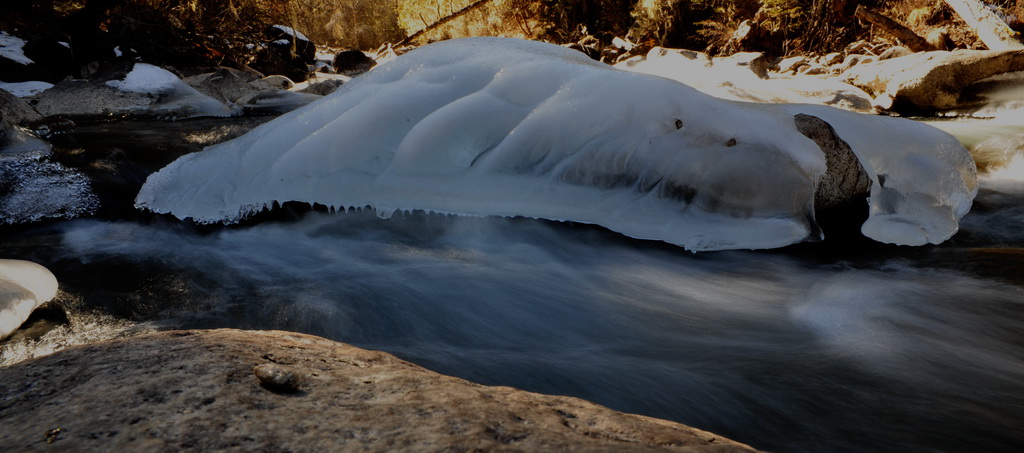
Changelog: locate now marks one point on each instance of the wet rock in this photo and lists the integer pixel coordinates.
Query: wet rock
(196, 390)
(352, 62)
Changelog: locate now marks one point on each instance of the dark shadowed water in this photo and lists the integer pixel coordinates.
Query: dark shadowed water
(836, 346)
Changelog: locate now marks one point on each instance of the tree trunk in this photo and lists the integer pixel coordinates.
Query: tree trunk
(912, 40)
(992, 30)
(443, 21)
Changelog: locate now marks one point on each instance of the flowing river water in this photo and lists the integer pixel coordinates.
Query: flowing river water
(844, 345)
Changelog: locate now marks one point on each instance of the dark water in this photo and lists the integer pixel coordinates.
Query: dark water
(837, 346)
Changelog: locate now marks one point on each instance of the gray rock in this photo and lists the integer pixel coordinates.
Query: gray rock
(14, 110)
(196, 391)
(229, 85)
(845, 179)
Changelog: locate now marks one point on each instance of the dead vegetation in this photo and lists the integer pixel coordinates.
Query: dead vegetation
(219, 29)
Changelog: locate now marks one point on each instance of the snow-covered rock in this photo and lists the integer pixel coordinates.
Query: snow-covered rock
(491, 126)
(745, 80)
(929, 82)
(143, 91)
(24, 285)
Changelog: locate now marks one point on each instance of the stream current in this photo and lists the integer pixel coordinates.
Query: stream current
(845, 345)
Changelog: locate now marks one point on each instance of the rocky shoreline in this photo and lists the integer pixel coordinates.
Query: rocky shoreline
(281, 391)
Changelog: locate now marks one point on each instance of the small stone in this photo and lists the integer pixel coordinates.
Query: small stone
(276, 378)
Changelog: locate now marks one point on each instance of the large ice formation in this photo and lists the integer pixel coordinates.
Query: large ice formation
(24, 285)
(492, 126)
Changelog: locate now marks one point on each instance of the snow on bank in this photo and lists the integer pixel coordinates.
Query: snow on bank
(24, 286)
(12, 48)
(491, 126)
(25, 89)
(726, 80)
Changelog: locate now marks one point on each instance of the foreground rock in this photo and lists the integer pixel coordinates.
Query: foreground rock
(279, 391)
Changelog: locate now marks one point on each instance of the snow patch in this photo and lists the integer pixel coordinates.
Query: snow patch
(146, 78)
(25, 89)
(11, 48)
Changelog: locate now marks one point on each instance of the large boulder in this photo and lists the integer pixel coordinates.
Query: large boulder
(278, 391)
(931, 82)
(134, 89)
